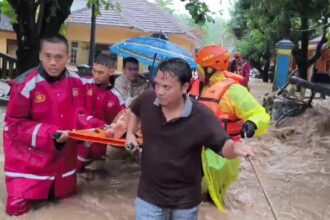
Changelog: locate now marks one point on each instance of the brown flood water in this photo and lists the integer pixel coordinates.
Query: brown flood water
(292, 162)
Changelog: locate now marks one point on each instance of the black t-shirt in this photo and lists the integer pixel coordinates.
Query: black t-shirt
(171, 168)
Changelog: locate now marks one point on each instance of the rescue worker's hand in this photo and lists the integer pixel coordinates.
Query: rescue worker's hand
(131, 142)
(243, 150)
(59, 139)
(248, 128)
(61, 136)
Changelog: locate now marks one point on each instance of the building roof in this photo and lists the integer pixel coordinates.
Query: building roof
(5, 24)
(135, 14)
(315, 40)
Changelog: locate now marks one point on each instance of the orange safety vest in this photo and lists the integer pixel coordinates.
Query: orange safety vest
(211, 97)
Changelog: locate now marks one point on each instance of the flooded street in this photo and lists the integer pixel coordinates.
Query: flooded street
(292, 162)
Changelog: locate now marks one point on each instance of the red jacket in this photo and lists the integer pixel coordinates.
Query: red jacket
(103, 104)
(36, 109)
(244, 70)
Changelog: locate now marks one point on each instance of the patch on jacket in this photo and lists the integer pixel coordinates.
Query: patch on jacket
(75, 92)
(39, 97)
(90, 92)
(110, 104)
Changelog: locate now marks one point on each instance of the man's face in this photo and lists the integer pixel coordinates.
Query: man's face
(239, 60)
(169, 89)
(54, 57)
(131, 71)
(102, 73)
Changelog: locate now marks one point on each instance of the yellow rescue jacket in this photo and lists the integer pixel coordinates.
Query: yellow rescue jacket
(231, 102)
(211, 97)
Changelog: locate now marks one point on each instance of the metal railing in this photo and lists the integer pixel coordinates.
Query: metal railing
(7, 66)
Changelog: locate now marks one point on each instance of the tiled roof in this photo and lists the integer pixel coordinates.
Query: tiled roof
(315, 40)
(138, 14)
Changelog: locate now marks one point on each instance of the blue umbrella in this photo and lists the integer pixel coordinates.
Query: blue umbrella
(151, 51)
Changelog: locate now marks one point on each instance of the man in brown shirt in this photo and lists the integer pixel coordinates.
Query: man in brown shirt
(130, 84)
(175, 128)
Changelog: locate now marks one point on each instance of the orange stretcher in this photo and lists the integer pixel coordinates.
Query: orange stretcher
(96, 135)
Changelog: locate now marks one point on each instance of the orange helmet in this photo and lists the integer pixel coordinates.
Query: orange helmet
(213, 56)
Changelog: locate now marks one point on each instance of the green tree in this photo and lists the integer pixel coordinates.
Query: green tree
(256, 24)
(34, 19)
(307, 15)
(266, 22)
(214, 32)
(95, 6)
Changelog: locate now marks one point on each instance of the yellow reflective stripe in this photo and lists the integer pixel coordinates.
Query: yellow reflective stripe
(284, 51)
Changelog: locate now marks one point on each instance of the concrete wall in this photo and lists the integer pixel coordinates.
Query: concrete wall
(4, 36)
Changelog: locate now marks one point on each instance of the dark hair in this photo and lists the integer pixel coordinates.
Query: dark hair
(57, 38)
(176, 67)
(105, 60)
(130, 60)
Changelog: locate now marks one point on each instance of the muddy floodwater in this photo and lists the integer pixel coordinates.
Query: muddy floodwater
(292, 161)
